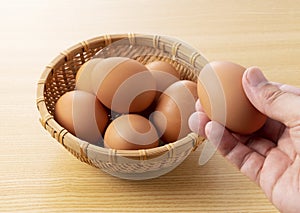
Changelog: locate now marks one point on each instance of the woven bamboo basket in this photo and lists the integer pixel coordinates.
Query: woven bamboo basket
(59, 78)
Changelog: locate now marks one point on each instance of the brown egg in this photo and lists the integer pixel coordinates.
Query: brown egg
(164, 74)
(130, 132)
(173, 110)
(123, 85)
(223, 99)
(83, 115)
(83, 76)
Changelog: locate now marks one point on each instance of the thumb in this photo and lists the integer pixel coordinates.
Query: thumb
(269, 99)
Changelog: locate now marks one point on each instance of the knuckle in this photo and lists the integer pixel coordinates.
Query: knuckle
(272, 94)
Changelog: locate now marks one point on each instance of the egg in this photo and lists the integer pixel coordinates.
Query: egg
(164, 74)
(83, 79)
(130, 132)
(173, 110)
(124, 85)
(223, 99)
(83, 115)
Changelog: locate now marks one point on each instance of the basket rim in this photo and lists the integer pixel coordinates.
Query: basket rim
(177, 48)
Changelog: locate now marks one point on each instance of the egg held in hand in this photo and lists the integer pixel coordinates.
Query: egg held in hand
(223, 99)
(173, 110)
(131, 132)
(83, 115)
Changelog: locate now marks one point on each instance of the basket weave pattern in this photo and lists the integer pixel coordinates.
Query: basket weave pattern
(59, 78)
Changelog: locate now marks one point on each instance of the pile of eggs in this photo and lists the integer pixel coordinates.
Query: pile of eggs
(120, 103)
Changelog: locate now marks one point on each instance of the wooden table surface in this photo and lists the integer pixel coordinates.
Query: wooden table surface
(38, 174)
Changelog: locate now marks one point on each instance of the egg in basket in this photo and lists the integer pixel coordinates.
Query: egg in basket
(122, 102)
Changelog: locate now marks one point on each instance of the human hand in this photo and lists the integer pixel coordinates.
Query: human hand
(271, 156)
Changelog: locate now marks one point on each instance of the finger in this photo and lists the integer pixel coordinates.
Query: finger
(271, 100)
(198, 106)
(241, 138)
(247, 160)
(274, 166)
(260, 145)
(220, 137)
(287, 88)
(294, 132)
(290, 89)
(295, 136)
(197, 122)
(285, 145)
(271, 130)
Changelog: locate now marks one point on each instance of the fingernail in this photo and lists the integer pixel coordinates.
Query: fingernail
(198, 105)
(208, 128)
(194, 122)
(214, 132)
(254, 76)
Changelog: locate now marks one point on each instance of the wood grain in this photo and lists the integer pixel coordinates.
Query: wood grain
(39, 175)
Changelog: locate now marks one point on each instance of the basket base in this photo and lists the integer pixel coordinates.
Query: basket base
(143, 175)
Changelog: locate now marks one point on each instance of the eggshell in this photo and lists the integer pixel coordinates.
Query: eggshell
(223, 99)
(164, 74)
(163, 66)
(131, 132)
(173, 110)
(84, 75)
(83, 115)
(123, 85)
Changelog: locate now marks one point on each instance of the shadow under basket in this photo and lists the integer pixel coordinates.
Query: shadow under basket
(59, 78)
